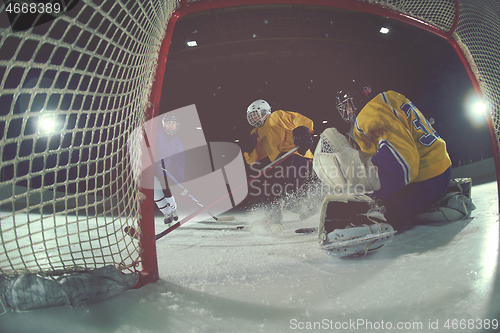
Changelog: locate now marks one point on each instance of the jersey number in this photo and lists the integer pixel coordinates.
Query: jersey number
(430, 135)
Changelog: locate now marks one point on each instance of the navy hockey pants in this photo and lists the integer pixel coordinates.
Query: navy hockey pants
(415, 198)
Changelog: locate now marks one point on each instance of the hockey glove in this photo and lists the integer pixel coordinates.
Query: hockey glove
(302, 138)
(250, 143)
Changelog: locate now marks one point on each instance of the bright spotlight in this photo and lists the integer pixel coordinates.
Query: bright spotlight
(476, 108)
(47, 124)
(479, 108)
(384, 30)
(192, 43)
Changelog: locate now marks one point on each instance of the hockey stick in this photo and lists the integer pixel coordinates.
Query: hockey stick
(306, 230)
(189, 217)
(238, 227)
(185, 191)
(131, 231)
(274, 163)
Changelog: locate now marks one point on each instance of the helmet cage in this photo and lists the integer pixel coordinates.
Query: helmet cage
(257, 112)
(256, 118)
(347, 107)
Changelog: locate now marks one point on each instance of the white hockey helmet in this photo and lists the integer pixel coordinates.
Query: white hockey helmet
(257, 112)
(170, 124)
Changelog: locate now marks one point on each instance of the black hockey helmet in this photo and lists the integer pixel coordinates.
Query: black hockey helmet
(352, 98)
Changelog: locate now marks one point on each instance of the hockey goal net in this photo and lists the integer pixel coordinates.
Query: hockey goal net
(74, 88)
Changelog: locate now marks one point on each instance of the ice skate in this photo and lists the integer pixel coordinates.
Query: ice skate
(352, 224)
(171, 217)
(307, 212)
(170, 211)
(455, 205)
(274, 216)
(270, 224)
(273, 220)
(167, 206)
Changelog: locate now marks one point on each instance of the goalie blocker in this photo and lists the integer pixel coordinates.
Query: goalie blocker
(352, 224)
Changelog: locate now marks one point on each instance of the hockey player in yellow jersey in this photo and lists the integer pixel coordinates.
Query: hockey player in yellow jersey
(401, 162)
(391, 120)
(274, 134)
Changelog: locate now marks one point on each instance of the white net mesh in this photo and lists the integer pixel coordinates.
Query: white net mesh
(478, 32)
(66, 194)
(440, 14)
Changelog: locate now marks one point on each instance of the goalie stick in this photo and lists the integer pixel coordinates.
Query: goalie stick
(305, 230)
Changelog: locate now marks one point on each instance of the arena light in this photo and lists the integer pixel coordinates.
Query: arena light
(192, 43)
(47, 124)
(476, 108)
(384, 30)
(479, 108)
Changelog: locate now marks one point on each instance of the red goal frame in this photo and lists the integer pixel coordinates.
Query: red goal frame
(186, 8)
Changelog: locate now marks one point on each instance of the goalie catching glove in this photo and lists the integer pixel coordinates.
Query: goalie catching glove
(302, 138)
(341, 166)
(352, 224)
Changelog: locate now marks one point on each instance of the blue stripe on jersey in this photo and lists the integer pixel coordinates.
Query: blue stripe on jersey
(393, 170)
(384, 97)
(386, 100)
(360, 130)
(400, 159)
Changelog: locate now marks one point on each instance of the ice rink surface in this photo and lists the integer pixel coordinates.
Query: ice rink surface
(429, 278)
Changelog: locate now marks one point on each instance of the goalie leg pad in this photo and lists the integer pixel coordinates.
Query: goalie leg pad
(455, 205)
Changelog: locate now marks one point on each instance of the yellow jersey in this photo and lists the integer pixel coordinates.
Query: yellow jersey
(401, 139)
(275, 136)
